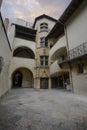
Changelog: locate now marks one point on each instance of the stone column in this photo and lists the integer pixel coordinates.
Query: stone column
(71, 81)
(37, 82)
(49, 83)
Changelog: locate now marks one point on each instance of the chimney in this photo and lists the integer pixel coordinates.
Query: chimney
(6, 23)
(0, 3)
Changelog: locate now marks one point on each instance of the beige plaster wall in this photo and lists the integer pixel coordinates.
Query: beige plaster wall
(5, 52)
(79, 81)
(58, 47)
(77, 35)
(25, 43)
(76, 27)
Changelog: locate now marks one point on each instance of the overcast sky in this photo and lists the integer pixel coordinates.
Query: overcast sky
(29, 9)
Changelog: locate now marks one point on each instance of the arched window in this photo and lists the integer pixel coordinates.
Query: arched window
(24, 52)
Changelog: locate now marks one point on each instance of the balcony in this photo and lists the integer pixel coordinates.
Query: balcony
(58, 49)
(55, 69)
(24, 23)
(78, 52)
(74, 54)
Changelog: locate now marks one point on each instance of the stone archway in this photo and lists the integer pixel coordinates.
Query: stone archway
(22, 77)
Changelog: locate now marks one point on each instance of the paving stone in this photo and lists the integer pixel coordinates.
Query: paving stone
(39, 109)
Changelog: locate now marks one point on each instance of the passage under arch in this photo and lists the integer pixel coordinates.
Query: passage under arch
(22, 77)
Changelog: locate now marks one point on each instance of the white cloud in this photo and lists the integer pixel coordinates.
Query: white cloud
(29, 9)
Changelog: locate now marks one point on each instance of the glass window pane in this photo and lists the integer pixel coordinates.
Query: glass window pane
(46, 62)
(80, 68)
(41, 62)
(43, 26)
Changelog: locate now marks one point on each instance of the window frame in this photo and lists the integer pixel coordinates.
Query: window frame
(43, 42)
(44, 60)
(44, 27)
(80, 68)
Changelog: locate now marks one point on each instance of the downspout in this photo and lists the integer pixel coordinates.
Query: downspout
(67, 42)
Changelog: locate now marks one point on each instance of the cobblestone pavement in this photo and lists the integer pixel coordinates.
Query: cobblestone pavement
(32, 109)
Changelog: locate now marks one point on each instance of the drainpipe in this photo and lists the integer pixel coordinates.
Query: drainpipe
(67, 43)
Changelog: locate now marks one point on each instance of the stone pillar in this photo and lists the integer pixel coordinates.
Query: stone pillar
(49, 83)
(36, 82)
(71, 81)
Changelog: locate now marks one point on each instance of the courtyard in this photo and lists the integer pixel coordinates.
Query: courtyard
(43, 109)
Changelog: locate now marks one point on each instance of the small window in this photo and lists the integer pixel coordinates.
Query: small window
(43, 42)
(43, 27)
(80, 68)
(44, 60)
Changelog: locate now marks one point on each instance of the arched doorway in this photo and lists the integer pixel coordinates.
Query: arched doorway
(17, 79)
(22, 77)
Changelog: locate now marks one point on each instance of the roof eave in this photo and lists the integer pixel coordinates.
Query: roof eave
(43, 16)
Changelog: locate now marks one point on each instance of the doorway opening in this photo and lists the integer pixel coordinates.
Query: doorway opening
(44, 83)
(17, 79)
(60, 81)
(23, 78)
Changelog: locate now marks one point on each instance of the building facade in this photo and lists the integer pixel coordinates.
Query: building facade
(31, 51)
(77, 41)
(72, 26)
(22, 64)
(43, 24)
(51, 53)
(5, 57)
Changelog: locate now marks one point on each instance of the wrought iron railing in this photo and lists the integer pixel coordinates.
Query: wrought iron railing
(24, 23)
(78, 51)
